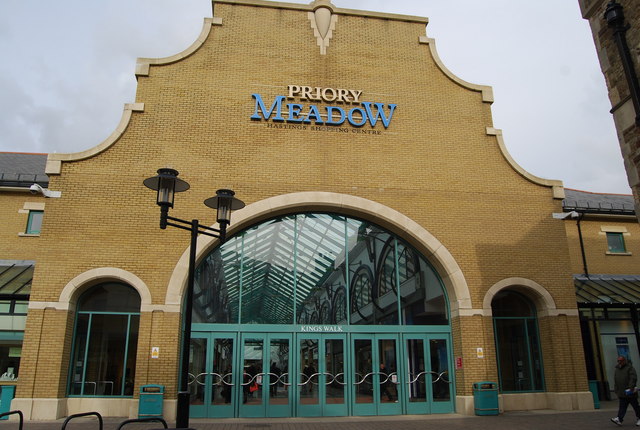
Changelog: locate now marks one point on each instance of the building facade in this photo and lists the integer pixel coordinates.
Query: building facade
(617, 41)
(390, 255)
(604, 242)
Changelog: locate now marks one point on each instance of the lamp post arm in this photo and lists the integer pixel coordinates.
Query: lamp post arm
(201, 229)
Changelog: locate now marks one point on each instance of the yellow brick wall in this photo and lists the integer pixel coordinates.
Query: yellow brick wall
(435, 164)
(470, 333)
(595, 246)
(46, 349)
(13, 246)
(158, 329)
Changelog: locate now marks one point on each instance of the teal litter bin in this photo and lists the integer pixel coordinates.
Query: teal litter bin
(485, 398)
(6, 395)
(150, 403)
(593, 387)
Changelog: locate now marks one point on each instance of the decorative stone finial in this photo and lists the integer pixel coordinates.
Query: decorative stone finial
(323, 22)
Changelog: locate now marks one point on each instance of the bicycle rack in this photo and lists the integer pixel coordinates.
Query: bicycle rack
(142, 420)
(14, 413)
(84, 414)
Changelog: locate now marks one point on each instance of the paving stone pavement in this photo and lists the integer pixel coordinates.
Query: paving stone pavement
(536, 420)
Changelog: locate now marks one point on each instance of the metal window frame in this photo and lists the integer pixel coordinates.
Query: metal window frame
(85, 354)
(30, 219)
(296, 242)
(529, 354)
(622, 249)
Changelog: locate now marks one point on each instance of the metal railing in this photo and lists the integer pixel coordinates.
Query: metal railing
(143, 420)
(6, 414)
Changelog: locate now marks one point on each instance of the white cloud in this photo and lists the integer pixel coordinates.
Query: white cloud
(68, 69)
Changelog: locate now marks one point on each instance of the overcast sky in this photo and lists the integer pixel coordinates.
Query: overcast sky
(68, 66)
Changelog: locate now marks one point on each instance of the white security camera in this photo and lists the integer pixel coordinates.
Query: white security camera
(37, 189)
(566, 215)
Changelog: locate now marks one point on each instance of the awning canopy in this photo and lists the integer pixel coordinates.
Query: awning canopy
(607, 289)
(15, 278)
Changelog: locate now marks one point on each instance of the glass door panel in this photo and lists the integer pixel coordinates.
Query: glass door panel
(252, 363)
(277, 377)
(387, 375)
(417, 376)
(334, 376)
(321, 377)
(441, 381)
(223, 386)
(376, 379)
(197, 382)
(308, 376)
(211, 382)
(429, 383)
(265, 376)
(364, 387)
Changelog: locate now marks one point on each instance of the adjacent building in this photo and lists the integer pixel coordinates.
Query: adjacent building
(616, 33)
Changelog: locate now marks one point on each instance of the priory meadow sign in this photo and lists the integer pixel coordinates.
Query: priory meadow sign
(348, 110)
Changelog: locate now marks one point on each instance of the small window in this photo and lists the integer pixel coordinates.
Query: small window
(5, 306)
(13, 307)
(35, 222)
(20, 307)
(615, 243)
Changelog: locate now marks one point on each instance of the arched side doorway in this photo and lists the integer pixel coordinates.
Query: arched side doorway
(519, 357)
(105, 341)
(515, 304)
(103, 399)
(538, 333)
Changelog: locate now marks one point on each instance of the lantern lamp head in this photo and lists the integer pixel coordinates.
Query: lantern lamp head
(614, 14)
(166, 183)
(225, 202)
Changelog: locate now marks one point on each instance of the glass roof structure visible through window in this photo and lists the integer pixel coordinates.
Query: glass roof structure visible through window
(607, 289)
(317, 268)
(16, 277)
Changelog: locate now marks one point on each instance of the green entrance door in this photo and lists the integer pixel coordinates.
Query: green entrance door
(211, 383)
(321, 374)
(428, 376)
(376, 383)
(266, 368)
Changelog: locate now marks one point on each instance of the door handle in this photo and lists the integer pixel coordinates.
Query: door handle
(440, 376)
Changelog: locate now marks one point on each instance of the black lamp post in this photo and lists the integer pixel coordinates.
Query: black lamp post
(614, 16)
(166, 183)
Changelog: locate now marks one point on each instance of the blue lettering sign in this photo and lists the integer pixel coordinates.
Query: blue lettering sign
(352, 120)
(313, 112)
(330, 110)
(277, 104)
(373, 119)
(294, 112)
(335, 115)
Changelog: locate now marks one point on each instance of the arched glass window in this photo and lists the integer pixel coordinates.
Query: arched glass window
(361, 300)
(517, 343)
(317, 268)
(105, 341)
